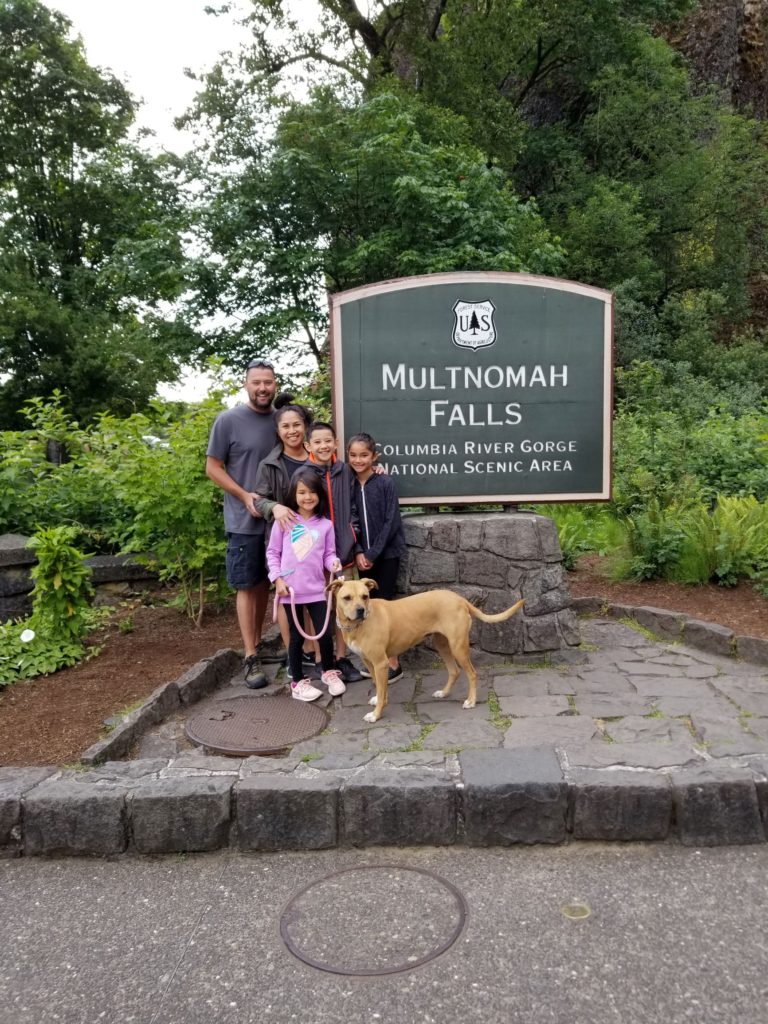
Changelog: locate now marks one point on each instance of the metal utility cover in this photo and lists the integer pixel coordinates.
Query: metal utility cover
(339, 923)
(255, 725)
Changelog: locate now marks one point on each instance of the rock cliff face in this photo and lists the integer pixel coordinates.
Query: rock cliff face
(726, 42)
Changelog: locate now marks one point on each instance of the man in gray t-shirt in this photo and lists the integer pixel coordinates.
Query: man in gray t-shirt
(241, 437)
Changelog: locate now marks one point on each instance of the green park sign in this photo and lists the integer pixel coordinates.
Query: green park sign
(479, 387)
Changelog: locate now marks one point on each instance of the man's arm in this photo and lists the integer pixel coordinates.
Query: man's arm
(216, 472)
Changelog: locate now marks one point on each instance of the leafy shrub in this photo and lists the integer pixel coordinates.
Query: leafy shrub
(176, 514)
(654, 539)
(729, 455)
(120, 491)
(583, 528)
(80, 492)
(668, 449)
(52, 637)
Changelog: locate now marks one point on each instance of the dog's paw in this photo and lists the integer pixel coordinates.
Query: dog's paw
(372, 700)
(438, 694)
(370, 717)
(468, 705)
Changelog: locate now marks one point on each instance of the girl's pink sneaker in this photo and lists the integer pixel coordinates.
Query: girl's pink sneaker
(332, 679)
(304, 690)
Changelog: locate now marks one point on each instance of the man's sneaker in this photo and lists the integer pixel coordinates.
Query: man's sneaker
(271, 655)
(395, 674)
(332, 679)
(254, 677)
(304, 690)
(348, 671)
(364, 672)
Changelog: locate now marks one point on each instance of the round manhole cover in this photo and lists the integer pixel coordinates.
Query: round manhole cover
(373, 920)
(255, 725)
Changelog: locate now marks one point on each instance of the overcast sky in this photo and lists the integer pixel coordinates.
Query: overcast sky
(147, 44)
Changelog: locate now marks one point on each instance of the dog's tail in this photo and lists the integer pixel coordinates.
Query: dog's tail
(500, 617)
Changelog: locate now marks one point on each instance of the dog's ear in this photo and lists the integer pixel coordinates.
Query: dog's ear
(334, 585)
(371, 584)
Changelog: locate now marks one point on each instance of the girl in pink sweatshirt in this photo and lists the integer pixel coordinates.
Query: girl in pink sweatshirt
(297, 557)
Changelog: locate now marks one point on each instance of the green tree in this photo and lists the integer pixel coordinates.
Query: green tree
(346, 194)
(90, 248)
(654, 188)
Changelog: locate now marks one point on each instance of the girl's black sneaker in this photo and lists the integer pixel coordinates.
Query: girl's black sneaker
(348, 671)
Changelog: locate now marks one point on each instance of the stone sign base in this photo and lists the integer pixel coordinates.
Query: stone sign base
(493, 559)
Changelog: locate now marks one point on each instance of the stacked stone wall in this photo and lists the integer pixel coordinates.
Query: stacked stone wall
(494, 559)
(114, 577)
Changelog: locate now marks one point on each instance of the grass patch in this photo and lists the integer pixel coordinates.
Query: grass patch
(602, 724)
(643, 630)
(129, 708)
(418, 743)
(498, 720)
(687, 722)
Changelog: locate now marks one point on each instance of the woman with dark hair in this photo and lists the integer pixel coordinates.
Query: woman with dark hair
(273, 478)
(273, 481)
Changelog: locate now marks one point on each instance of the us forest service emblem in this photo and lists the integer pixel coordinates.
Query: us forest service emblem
(473, 325)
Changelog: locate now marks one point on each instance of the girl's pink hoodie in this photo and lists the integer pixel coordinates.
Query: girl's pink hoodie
(299, 555)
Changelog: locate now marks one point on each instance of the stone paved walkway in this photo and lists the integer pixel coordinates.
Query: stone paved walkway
(623, 700)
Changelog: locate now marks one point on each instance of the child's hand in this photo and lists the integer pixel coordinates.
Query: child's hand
(281, 587)
(335, 566)
(378, 469)
(362, 562)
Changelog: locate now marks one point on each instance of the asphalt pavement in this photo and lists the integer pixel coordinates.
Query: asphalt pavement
(586, 932)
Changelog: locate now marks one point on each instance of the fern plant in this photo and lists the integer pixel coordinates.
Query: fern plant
(726, 544)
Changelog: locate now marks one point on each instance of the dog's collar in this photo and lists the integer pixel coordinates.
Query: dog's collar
(348, 629)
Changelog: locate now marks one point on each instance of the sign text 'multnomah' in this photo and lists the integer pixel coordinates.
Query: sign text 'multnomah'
(441, 378)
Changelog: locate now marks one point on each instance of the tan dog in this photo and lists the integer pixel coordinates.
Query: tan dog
(378, 630)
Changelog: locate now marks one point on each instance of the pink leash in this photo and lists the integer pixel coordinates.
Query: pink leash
(306, 636)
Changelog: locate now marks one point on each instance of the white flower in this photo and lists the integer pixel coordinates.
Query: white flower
(27, 636)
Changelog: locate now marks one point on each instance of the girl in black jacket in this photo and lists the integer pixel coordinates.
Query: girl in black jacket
(382, 538)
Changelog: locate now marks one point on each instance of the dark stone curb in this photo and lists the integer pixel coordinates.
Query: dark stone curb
(202, 679)
(706, 636)
(481, 798)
